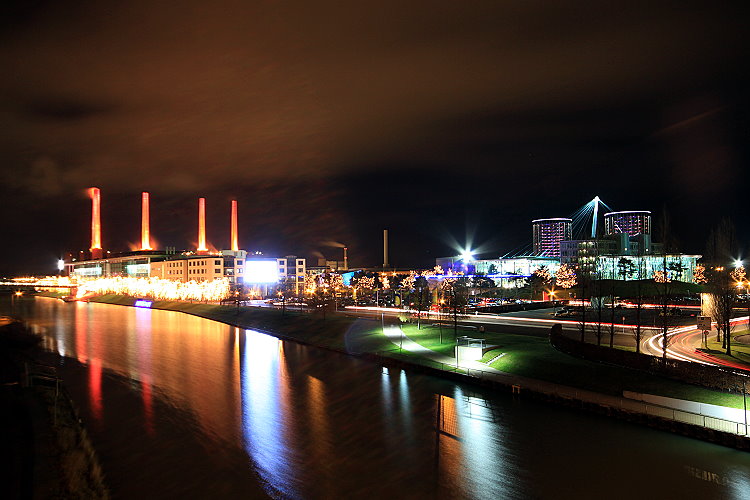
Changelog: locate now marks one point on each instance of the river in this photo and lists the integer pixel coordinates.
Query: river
(179, 406)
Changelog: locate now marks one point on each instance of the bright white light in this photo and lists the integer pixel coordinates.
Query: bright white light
(467, 255)
(60, 265)
(737, 263)
(261, 271)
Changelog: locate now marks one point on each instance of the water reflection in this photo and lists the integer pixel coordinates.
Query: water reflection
(263, 410)
(302, 422)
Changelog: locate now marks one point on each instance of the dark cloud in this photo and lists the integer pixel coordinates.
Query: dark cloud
(65, 109)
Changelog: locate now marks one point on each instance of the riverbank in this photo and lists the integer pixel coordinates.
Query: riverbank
(46, 449)
(365, 338)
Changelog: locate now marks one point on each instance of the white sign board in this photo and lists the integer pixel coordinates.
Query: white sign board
(704, 323)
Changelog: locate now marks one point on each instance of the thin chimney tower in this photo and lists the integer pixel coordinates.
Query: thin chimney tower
(202, 225)
(385, 248)
(96, 223)
(235, 244)
(346, 260)
(145, 219)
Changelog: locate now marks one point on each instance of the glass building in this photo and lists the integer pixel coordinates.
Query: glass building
(548, 233)
(632, 223)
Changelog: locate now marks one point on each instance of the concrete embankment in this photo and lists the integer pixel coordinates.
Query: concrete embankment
(333, 333)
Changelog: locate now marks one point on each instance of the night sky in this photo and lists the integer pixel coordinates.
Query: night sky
(330, 121)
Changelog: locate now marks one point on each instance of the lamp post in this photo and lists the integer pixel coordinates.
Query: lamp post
(554, 302)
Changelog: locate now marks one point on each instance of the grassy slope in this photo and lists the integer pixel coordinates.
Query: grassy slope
(740, 351)
(534, 357)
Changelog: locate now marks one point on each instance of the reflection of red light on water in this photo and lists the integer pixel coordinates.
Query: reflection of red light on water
(95, 388)
(148, 412)
(80, 336)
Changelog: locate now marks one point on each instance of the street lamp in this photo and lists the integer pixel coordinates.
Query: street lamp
(554, 302)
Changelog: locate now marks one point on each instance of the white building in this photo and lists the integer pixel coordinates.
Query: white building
(292, 272)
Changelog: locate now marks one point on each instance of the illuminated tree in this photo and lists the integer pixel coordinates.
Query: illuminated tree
(661, 277)
(738, 274)
(310, 284)
(407, 283)
(544, 275)
(565, 277)
(366, 282)
(385, 282)
(699, 275)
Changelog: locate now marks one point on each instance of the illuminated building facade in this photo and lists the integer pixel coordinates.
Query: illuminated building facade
(679, 267)
(510, 272)
(184, 268)
(130, 264)
(632, 223)
(548, 233)
(292, 272)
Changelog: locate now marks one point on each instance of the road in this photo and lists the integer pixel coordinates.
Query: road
(683, 344)
(684, 341)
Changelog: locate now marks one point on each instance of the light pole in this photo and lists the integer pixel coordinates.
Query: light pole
(554, 302)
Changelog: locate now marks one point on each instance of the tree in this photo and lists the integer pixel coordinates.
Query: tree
(699, 275)
(565, 277)
(640, 272)
(663, 281)
(456, 291)
(722, 289)
(625, 268)
(422, 297)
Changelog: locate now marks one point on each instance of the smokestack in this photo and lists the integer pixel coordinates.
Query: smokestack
(385, 248)
(346, 261)
(235, 244)
(202, 225)
(96, 223)
(145, 232)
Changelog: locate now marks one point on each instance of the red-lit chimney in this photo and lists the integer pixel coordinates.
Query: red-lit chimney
(96, 223)
(202, 225)
(145, 233)
(234, 242)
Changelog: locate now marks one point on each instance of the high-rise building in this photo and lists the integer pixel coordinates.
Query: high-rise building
(632, 223)
(548, 233)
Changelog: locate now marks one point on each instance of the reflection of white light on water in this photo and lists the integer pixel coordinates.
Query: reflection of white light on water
(403, 389)
(481, 444)
(262, 412)
(385, 380)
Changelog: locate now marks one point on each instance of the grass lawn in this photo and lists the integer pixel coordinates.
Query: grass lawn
(534, 357)
(740, 351)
